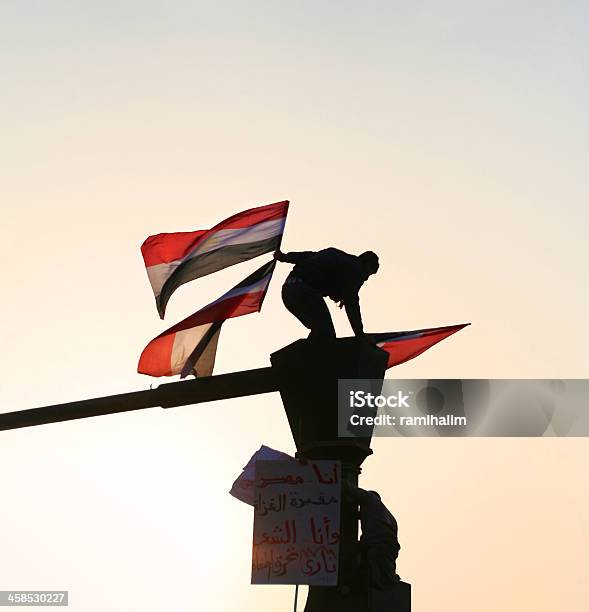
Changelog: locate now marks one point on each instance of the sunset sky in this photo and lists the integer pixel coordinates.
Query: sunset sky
(448, 137)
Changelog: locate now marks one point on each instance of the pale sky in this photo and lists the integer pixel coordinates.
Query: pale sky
(450, 139)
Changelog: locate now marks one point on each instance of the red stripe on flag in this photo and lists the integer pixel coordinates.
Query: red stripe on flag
(270, 212)
(235, 306)
(165, 248)
(402, 350)
(155, 359)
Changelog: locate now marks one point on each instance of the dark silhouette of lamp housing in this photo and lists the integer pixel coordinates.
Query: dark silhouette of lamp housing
(307, 373)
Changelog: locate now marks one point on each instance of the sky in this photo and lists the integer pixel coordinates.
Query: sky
(449, 138)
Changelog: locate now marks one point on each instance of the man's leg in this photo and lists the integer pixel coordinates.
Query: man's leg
(309, 307)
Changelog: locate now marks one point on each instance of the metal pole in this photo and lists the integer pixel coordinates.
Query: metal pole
(169, 395)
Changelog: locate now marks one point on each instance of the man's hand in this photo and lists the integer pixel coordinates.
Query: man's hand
(369, 338)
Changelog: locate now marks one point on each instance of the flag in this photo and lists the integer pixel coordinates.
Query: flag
(403, 346)
(190, 346)
(243, 487)
(174, 259)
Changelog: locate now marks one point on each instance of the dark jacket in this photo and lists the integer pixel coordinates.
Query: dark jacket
(335, 274)
(379, 527)
(379, 544)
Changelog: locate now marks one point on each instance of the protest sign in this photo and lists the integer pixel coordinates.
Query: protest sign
(296, 522)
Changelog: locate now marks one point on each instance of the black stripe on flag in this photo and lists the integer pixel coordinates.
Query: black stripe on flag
(188, 367)
(212, 261)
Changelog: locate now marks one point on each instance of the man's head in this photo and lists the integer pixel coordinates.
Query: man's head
(369, 261)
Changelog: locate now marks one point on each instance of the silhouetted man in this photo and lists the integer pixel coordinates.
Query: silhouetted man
(330, 273)
(379, 545)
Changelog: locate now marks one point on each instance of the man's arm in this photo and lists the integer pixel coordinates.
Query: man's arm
(352, 306)
(294, 257)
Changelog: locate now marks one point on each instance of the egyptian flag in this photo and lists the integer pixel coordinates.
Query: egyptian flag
(403, 346)
(174, 259)
(190, 346)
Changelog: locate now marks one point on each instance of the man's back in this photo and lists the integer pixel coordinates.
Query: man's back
(378, 524)
(379, 545)
(332, 272)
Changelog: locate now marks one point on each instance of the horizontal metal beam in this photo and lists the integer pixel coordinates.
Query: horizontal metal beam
(183, 393)
(212, 388)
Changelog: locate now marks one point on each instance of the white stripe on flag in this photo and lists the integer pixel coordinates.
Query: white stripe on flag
(241, 235)
(185, 342)
(253, 288)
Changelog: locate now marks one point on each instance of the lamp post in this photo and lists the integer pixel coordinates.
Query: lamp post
(306, 374)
